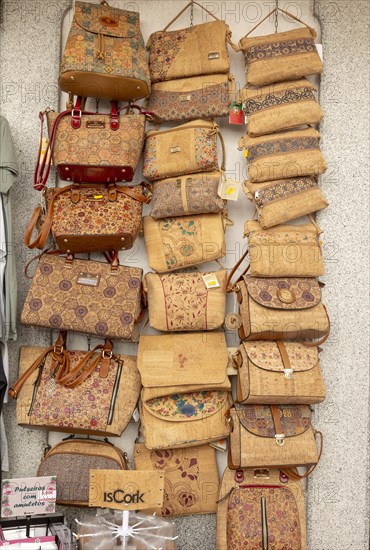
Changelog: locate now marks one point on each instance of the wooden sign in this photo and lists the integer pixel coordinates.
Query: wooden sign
(126, 489)
(28, 496)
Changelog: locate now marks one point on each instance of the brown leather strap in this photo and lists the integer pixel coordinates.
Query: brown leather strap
(39, 241)
(223, 163)
(276, 418)
(284, 356)
(323, 338)
(293, 474)
(231, 287)
(80, 372)
(58, 348)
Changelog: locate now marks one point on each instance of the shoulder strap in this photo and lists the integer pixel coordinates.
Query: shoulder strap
(231, 287)
(293, 474)
(313, 32)
(192, 3)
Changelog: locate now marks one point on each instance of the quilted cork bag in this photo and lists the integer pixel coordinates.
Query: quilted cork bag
(184, 302)
(91, 392)
(190, 478)
(71, 461)
(280, 308)
(175, 243)
(186, 394)
(105, 56)
(280, 107)
(206, 96)
(273, 436)
(251, 505)
(284, 200)
(281, 56)
(283, 155)
(278, 373)
(186, 195)
(101, 298)
(193, 51)
(284, 250)
(186, 149)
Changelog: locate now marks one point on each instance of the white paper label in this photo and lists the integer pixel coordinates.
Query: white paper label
(229, 189)
(210, 280)
(319, 51)
(136, 415)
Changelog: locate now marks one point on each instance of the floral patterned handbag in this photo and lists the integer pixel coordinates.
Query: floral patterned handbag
(91, 392)
(186, 149)
(190, 478)
(184, 302)
(105, 55)
(89, 217)
(186, 391)
(258, 508)
(88, 296)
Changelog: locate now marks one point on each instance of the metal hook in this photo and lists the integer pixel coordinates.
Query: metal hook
(88, 342)
(192, 14)
(276, 15)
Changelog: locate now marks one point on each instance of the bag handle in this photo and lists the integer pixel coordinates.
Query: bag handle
(293, 474)
(312, 31)
(59, 366)
(231, 287)
(192, 3)
(323, 338)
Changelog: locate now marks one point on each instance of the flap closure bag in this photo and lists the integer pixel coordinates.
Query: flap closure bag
(190, 478)
(280, 106)
(75, 213)
(260, 497)
(183, 360)
(73, 483)
(186, 149)
(92, 392)
(197, 50)
(281, 56)
(175, 243)
(182, 301)
(285, 250)
(283, 155)
(278, 373)
(87, 296)
(284, 294)
(120, 139)
(285, 200)
(105, 55)
(273, 436)
(186, 195)
(188, 98)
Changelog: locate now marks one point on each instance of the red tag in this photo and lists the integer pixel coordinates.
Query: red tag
(236, 114)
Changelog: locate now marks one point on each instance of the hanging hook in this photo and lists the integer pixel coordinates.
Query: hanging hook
(192, 14)
(88, 342)
(276, 15)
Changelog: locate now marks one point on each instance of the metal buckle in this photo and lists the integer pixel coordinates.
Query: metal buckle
(60, 350)
(74, 111)
(280, 439)
(288, 373)
(107, 354)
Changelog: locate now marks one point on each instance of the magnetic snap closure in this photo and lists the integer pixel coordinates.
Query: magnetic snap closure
(286, 296)
(233, 321)
(280, 439)
(288, 373)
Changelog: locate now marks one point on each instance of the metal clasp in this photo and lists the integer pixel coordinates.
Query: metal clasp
(280, 439)
(288, 373)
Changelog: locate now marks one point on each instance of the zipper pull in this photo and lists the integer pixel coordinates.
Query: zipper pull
(265, 533)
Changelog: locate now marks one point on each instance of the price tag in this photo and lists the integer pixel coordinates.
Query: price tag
(236, 113)
(210, 280)
(28, 496)
(44, 144)
(229, 189)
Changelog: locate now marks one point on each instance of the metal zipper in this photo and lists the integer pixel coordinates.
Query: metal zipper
(265, 533)
(114, 393)
(36, 385)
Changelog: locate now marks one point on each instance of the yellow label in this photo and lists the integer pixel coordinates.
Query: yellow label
(246, 153)
(229, 189)
(210, 280)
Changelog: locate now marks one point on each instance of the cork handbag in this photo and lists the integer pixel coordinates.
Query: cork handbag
(283, 155)
(88, 218)
(281, 56)
(285, 250)
(187, 195)
(193, 51)
(280, 309)
(279, 107)
(184, 302)
(273, 436)
(284, 200)
(105, 56)
(190, 478)
(89, 147)
(185, 149)
(71, 461)
(207, 96)
(91, 392)
(186, 391)
(251, 505)
(278, 373)
(88, 296)
(175, 243)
